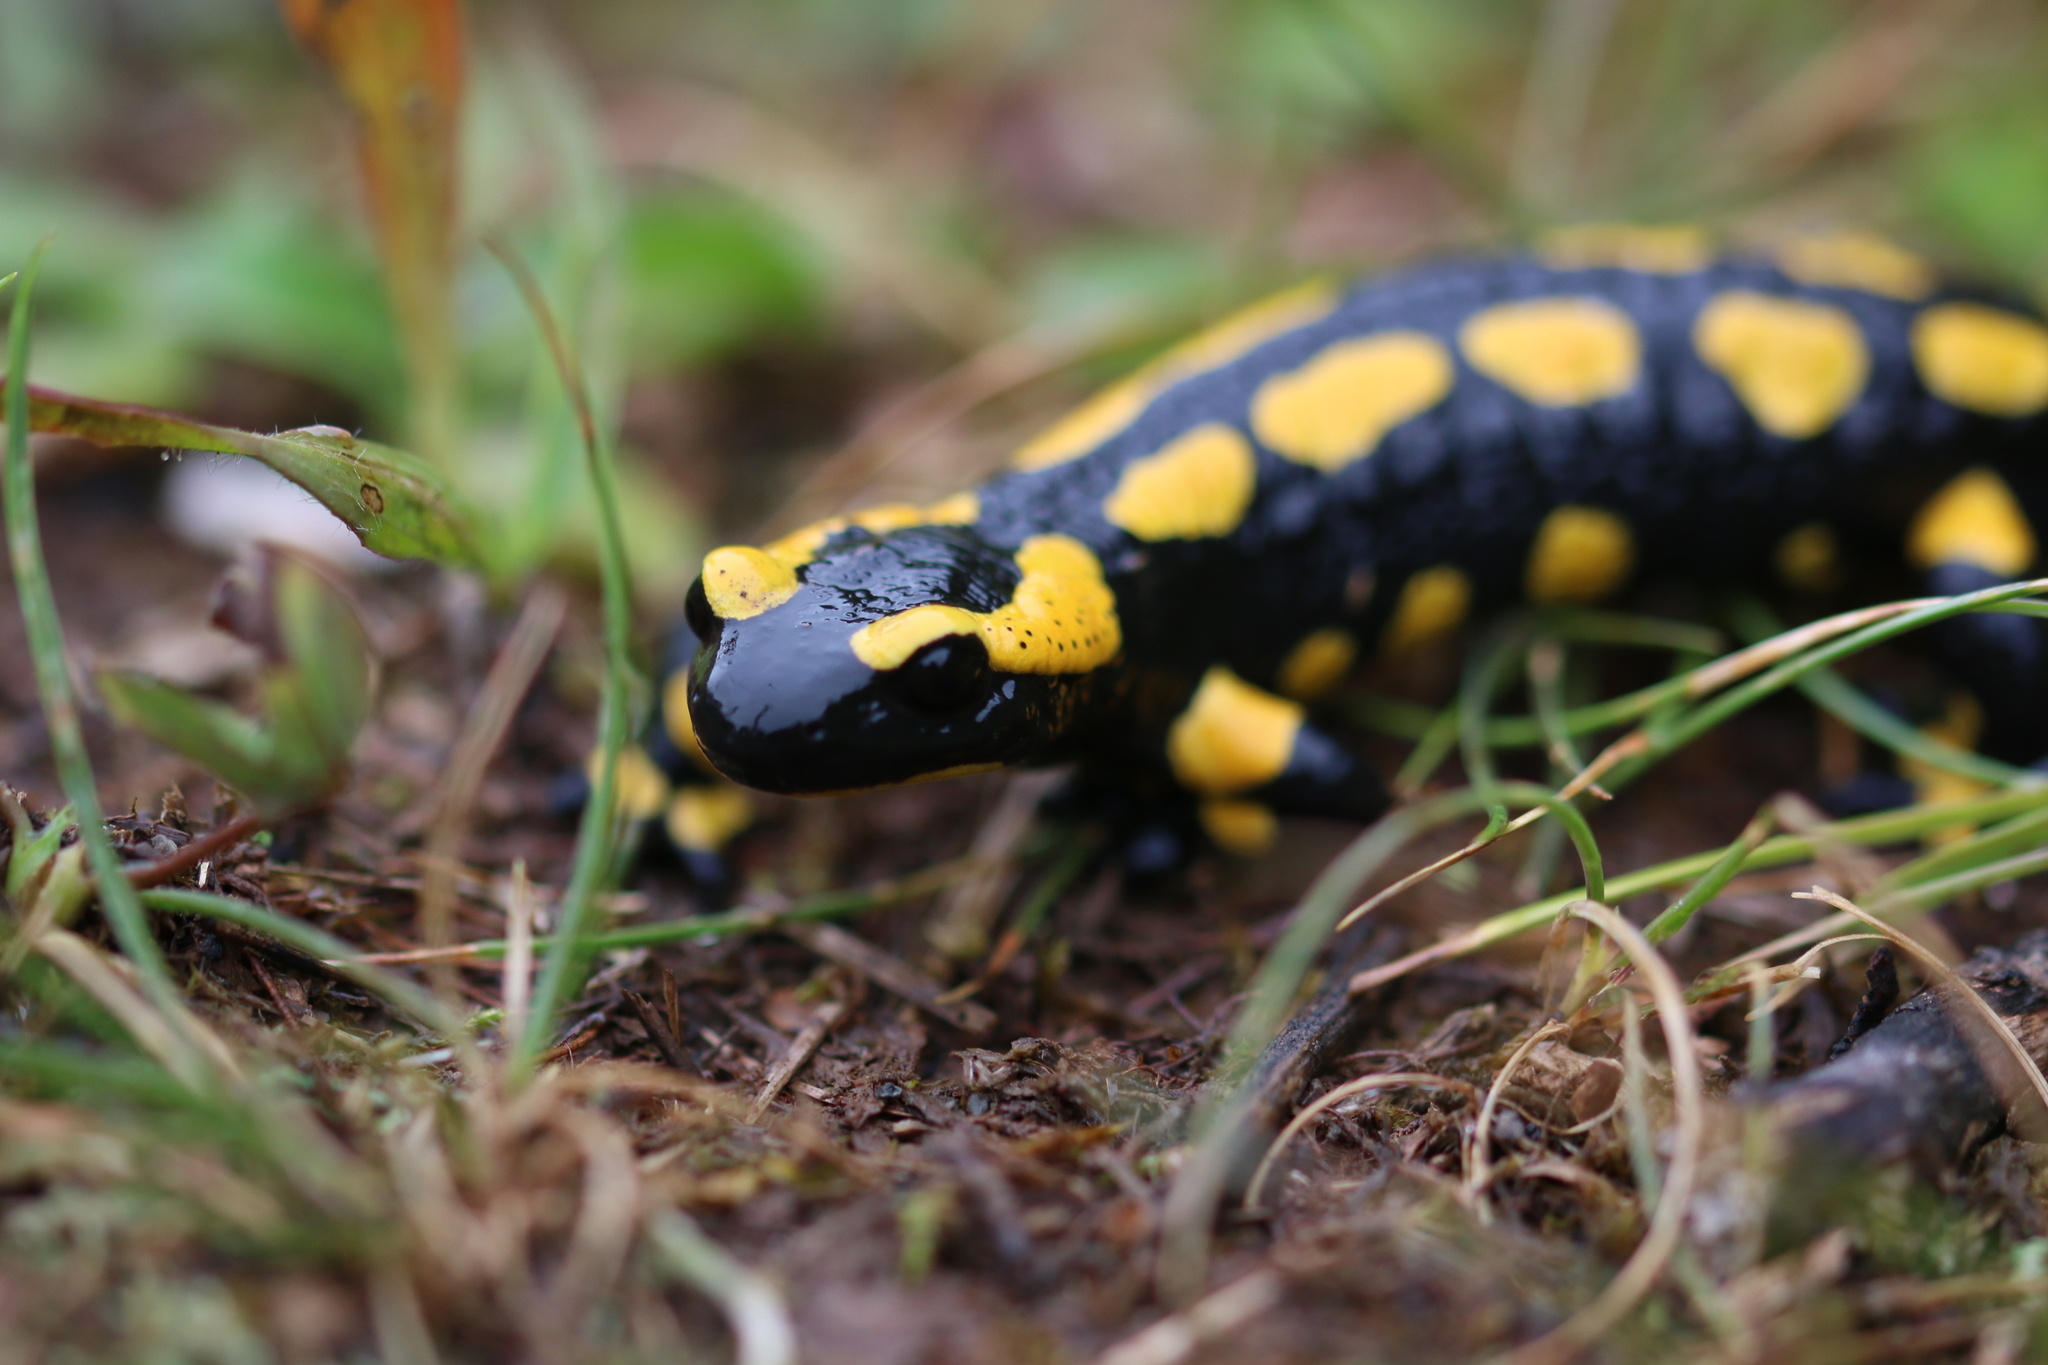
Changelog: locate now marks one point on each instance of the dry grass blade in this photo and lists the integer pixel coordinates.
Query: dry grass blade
(1653, 1253)
(1360, 1085)
(178, 1046)
(754, 1306)
(512, 673)
(1479, 1165)
(1174, 1338)
(605, 1225)
(1966, 1002)
(403, 1337)
(517, 990)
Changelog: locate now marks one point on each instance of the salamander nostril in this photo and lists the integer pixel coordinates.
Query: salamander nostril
(945, 677)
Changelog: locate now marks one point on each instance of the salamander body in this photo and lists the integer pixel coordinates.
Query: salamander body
(1162, 583)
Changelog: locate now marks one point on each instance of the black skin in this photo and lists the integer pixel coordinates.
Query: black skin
(781, 703)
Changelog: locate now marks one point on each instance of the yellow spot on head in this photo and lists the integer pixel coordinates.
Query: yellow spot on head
(707, 818)
(889, 642)
(675, 717)
(1560, 352)
(741, 581)
(1335, 408)
(1984, 359)
(1061, 619)
(1246, 828)
(1432, 604)
(1581, 554)
(1232, 737)
(1664, 249)
(1797, 366)
(1809, 559)
(1857, 260)
(1317, 663)
(802, 546)
(1973, 520)
(639, 788)
(1114, 408)
(1197, 486)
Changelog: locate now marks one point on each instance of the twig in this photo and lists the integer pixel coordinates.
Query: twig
(195, 852)
(1952, 986)
(892, 974)
(795, 1057)
(658, 1032)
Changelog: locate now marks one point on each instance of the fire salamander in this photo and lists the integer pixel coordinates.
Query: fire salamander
(1162, 583)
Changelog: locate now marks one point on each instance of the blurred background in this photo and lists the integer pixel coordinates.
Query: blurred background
(820, 251)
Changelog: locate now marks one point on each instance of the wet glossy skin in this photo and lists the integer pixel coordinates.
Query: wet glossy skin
(781, 702)
(1162, 580)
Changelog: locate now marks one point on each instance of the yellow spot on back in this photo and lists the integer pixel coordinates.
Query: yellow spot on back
(1809, 558)
(1974, 519)
(1560, 352)
(639, 788)
(1984, 359)
(1232, 737)
(1335, 408)
(1663, 249)
(741, 581)
(1317, 663)
(1115, 407)
(1581, 554)
(1797, 366)
(1061, 619)
(1087, 426)
(1246, 828)
(675, 717)
(1857, 260)
(707, 818)
(1433, 603)
(1198, 485)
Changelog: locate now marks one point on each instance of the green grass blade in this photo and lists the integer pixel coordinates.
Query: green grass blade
(53, 684)
(568, 957)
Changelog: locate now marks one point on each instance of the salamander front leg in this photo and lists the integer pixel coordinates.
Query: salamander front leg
(1970, 536)
(1248, 757)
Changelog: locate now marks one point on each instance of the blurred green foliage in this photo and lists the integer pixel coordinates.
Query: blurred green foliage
(908, 181)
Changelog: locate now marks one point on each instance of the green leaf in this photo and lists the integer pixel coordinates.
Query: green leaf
(212, 734)
(395, 504)
(316, 685)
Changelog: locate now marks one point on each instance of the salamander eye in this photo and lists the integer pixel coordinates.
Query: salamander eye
(697, 613)
(944, 677)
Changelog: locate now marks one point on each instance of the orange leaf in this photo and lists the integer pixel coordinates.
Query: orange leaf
(399, 65)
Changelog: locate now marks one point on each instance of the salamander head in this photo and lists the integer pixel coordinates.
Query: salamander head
(879, 657)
